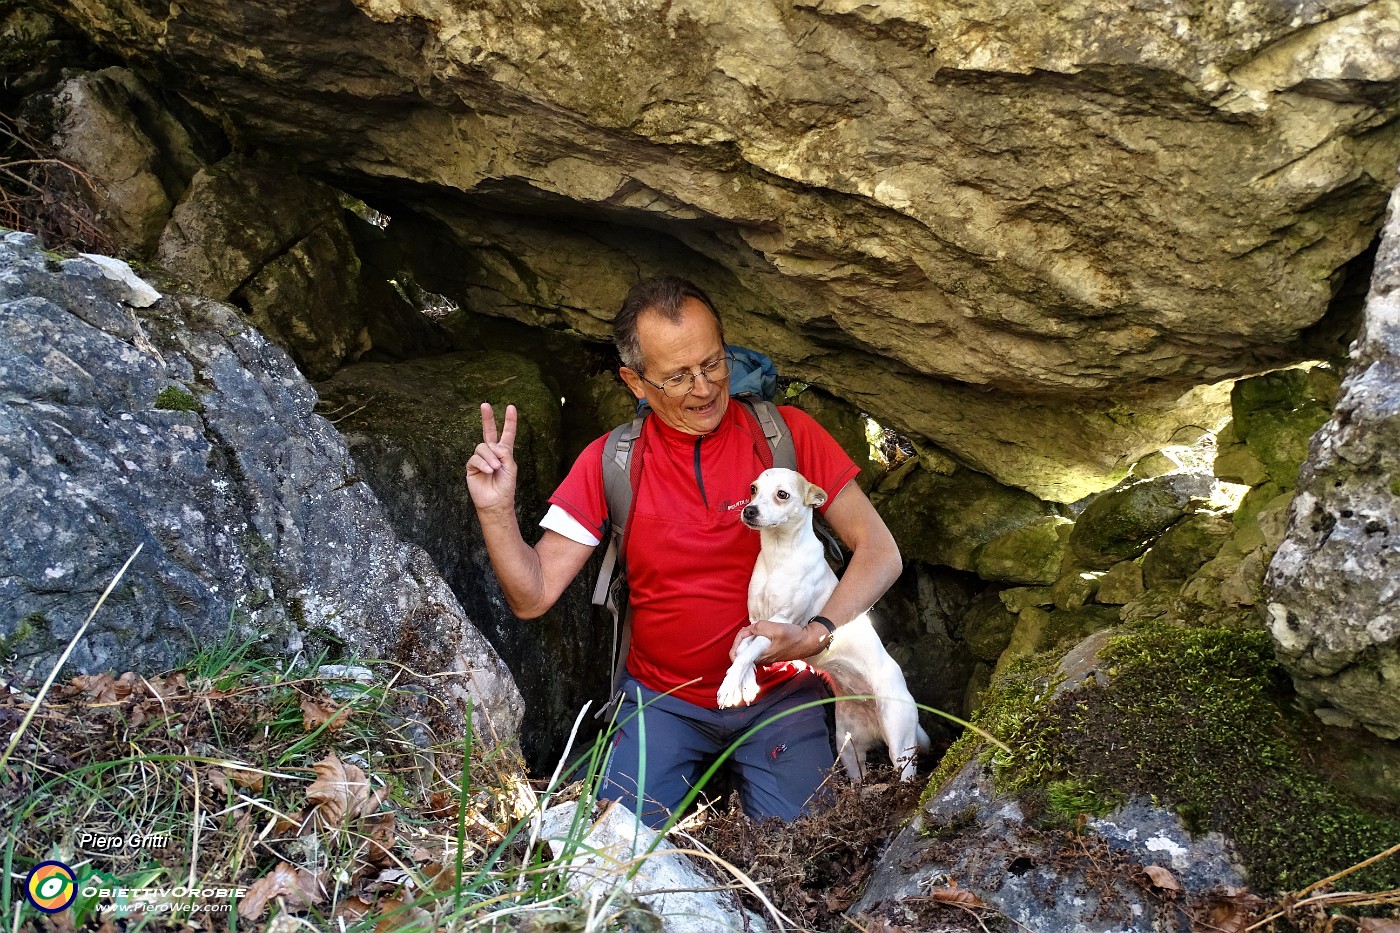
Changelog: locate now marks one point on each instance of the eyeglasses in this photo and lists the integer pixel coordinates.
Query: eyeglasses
(716, 370)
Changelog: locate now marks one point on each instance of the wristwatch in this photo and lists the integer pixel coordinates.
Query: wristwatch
(825, 623)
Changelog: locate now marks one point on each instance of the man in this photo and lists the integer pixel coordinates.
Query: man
(688, 561)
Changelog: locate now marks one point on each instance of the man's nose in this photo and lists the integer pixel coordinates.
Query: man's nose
(698, 380)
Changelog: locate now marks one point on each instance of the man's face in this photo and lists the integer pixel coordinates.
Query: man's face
(685, 346)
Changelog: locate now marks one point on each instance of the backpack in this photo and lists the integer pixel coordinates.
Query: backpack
(753, 383)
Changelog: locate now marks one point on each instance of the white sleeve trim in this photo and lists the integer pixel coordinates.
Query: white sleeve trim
(556, 519)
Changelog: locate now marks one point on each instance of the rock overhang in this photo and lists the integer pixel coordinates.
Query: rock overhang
(1034, 243)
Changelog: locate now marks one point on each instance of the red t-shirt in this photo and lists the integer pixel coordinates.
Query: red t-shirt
(689, 558)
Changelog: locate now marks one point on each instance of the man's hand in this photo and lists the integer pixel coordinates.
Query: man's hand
(790, 642)
(491, 470)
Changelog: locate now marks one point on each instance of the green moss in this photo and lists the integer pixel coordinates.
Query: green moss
(174, 398)
(23, 632)
(1072, 797)
(1011, 697)
(1200, 720)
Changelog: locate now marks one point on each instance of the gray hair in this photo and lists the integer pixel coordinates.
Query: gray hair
(664, 295)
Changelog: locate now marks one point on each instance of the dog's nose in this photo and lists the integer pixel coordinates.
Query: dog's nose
(750, 512)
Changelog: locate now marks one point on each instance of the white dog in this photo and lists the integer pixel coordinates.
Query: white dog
(791, 583)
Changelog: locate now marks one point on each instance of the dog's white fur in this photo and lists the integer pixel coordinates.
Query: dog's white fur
(791, 583)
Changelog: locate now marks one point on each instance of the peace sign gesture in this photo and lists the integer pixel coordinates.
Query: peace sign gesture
(491, 470)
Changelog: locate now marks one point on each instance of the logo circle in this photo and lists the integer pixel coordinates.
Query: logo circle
(51, 887)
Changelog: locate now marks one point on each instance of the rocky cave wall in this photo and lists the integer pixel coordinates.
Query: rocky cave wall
(1029, 237)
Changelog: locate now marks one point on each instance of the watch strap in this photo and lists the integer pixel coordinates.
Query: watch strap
(825, 623)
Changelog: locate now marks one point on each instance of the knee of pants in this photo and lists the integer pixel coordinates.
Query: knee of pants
(661, 770)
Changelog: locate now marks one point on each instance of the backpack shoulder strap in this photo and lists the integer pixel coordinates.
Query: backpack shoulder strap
(619, 484)
(617, 489)
(775, 429)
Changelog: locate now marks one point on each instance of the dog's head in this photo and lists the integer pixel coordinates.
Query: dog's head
(779, 496)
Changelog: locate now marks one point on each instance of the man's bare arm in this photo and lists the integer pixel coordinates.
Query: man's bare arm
(532, 578)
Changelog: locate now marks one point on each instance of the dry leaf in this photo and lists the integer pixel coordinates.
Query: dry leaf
(341, 792)
(103, 688)
(398, 915)
(218, 779)
(250, 780)
(1232, 911)
(297, 887)
(170, 685)
(441, 804)
(351, 910)
(1162, 878)
(381, 837)
(1379, 925)
(957, 897)
(316, 713)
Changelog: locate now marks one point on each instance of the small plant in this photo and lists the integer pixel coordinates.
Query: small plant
(174, 398)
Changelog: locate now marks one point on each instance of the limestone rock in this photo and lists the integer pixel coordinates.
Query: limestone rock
(1000, 859)
(139, 158)
(1017, 598)
(276, 244)
(1029, 554)
(962, 219)
(1121, 524)
(599, 857)
(180, 427)
(945, 519)
(1184, 547)
(1275, 415)
(1120, 584)
(844, 422)
(987, 626)
(1333, 599)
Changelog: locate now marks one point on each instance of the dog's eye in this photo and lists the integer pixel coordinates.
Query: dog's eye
(783, 494)
(753, 490)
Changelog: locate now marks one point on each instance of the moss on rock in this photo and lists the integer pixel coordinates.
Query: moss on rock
(1201, 720)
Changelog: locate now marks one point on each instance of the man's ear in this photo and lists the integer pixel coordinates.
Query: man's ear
(814, 496)
(634, 381)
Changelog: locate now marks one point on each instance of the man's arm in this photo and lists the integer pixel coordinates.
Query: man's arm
(532, 578)
(874, 566)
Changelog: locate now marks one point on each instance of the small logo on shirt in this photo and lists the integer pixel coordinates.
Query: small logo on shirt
(731, 506)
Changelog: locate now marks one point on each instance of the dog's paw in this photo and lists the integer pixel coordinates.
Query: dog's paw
(750, 687)
(731, 691)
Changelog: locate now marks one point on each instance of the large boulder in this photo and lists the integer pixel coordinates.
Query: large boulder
(946, 519)
(1333, 603)
(276, 244)
(1168, 754)
(1015, 233)
(138, 157)
(1121, 524)
(179, 428)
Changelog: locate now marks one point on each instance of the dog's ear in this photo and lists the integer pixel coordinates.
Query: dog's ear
(813, 495)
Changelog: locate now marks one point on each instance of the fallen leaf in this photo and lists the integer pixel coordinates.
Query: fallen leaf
(219, 780)
(399, 915)
(1232, 911)
(441, 804)
(381, 837)
(1379, 925)
(103, 688)
(1162, 878)
(316, 713)
(249, 780)
(284, 881)
(351, 910)
(956, 897)
(341, 792)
